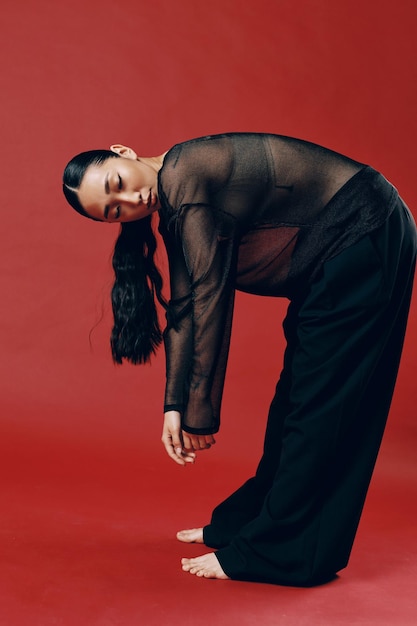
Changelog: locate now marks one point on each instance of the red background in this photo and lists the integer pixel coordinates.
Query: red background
(84, 74)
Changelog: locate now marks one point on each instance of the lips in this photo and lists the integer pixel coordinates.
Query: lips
(151, 199)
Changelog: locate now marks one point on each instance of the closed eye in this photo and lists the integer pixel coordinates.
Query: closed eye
(120, 183)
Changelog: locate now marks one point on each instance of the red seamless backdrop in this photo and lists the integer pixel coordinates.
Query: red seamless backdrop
(85, 74)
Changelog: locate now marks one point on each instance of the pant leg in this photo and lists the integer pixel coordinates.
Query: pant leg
(246, 502)
(349, 340)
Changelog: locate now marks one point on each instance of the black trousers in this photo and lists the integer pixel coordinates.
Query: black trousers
(295, 521)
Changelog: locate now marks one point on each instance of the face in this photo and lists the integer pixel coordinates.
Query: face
(120, 189)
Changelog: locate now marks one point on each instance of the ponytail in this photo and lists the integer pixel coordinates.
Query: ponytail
(136, 333)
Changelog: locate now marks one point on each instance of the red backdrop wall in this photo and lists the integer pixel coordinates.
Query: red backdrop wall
(86, 74)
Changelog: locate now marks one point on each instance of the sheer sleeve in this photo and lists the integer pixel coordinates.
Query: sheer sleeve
(201, 246)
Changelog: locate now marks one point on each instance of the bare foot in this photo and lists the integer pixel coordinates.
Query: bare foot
(206, 566)
(192, 535)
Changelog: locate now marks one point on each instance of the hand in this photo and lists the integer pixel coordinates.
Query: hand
(181, 446)
(173, 440)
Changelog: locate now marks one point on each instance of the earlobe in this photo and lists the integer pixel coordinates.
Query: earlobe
(124, 151)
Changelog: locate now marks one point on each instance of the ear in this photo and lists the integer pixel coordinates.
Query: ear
(124, 151)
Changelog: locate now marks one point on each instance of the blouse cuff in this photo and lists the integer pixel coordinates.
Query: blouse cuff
(200, 431)
(173, 407)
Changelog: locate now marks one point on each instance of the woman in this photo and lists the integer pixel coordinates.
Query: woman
(274, 216)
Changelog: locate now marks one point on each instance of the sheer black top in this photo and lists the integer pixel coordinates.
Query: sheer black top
(247, 211)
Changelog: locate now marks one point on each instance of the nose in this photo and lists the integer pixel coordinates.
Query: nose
(130, 198)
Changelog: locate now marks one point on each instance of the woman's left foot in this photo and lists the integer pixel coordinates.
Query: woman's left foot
(205, 566)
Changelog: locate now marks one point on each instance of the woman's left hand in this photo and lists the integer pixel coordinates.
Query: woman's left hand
(197, 442)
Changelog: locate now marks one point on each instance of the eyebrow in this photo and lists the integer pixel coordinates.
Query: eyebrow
(107, 190)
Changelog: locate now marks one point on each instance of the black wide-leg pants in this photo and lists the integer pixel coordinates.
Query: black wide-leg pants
(294, 522)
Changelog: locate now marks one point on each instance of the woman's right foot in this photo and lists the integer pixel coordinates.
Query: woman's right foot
(192, 535)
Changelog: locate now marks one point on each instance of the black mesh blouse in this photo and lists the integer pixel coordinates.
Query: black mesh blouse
(254, 212)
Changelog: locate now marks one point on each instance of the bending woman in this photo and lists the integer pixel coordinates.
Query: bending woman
(275, 216)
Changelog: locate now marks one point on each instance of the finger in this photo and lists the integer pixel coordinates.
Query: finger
(177, 440)
(170, 450)
(178, 445)
(174, 456)
(206, 441)
(181, 452)
(188, 456)
(197, 442)
(188, 453)
(188, 444)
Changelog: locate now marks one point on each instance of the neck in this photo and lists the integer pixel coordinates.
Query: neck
(154, 162)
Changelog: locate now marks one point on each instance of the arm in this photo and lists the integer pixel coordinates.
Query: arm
(202, 265)
(178, 338)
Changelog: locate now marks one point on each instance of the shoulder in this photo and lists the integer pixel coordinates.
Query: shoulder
(192, 168)
(201, 149)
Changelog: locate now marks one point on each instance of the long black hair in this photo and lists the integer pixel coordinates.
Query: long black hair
(136, 333)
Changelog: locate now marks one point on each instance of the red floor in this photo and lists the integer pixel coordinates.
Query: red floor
(87, 539)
